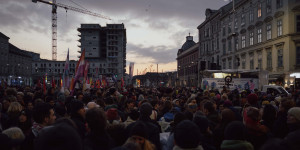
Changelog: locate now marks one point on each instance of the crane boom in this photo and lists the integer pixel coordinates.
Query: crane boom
(54, 20)
(67, 7)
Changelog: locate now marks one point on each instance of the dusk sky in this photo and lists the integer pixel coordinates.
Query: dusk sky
(156, 29)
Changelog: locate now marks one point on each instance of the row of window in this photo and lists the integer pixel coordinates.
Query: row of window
(70, 65)
(242, 16)
(251, 37)
(190, 58)
(259, 60)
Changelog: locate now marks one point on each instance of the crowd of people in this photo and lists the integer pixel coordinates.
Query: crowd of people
(147, 119)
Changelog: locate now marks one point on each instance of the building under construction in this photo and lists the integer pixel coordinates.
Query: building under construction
(105, 49)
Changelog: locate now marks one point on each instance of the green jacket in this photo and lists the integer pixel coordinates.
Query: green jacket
(236, 145)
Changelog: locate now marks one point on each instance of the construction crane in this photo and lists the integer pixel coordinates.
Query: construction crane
(54, 20)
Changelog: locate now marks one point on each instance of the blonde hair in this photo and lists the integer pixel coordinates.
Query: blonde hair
(14, 133)
(14, 107)
(146, 146)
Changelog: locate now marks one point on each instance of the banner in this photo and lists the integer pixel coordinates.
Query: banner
(236, 83)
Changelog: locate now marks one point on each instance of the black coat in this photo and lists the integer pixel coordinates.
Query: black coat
(98, 141)
(80, 123)
(280, 128)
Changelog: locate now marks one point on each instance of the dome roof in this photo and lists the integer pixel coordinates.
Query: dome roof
(187, 45)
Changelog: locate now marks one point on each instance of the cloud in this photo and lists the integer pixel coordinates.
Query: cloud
(154, 54)
(167, 20)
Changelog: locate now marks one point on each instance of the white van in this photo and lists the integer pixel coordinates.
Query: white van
(276, 90)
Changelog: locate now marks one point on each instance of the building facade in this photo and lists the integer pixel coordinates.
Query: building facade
(15, 64)
(105, 49)
(51, 69)
(187, 63)
(255, 35)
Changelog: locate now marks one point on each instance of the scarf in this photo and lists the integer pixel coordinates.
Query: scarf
(36, 128)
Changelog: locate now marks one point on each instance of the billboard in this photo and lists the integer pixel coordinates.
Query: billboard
(236, 83)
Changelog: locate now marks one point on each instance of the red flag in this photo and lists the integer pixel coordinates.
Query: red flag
(53, 82)
(44, 85)
(72, 84)
(79, 70)
(122, 82)
(39, 84)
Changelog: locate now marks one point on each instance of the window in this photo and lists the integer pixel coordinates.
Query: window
(280, 58)
(235, 23)
(229, 64)
(243, 20)
(229, 28)
(259, 61)
(279, 3)
(243, 62)
(243, 41)
(251, 38)
(259, 10)
(224, 64)
(224, 30)
(229, 45)
(269, 31)
(236, 42)
(251, 14)
(298, 23)
(258, 35)
(269, 59)
(224, 48)
(269, 6)
(298, 56)
(279, 27)
(251, 61)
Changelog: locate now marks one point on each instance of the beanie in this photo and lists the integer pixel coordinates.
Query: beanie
(146, 109)
(139, 129)
(235, 131)
(295, 111)
(187, 135)
(201, 122)
(252, 99)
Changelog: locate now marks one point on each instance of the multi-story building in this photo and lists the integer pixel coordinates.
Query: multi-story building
(187, 63)
(52, 69)
(105, 49)
(15, 64)
(4, 51)
(255, 35)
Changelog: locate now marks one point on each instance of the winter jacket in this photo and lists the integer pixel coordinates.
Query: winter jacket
(236, 145)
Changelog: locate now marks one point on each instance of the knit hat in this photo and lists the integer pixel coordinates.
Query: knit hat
(52, 137)
(139, 129)
(227, 103)
(112, 114)
(146, 109)
(295, 111)
(235, 131)
(201, 122)
(265, 102)
(187, 135)
(252, 99)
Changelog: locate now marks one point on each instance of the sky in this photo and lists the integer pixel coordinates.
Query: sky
(155, 29)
